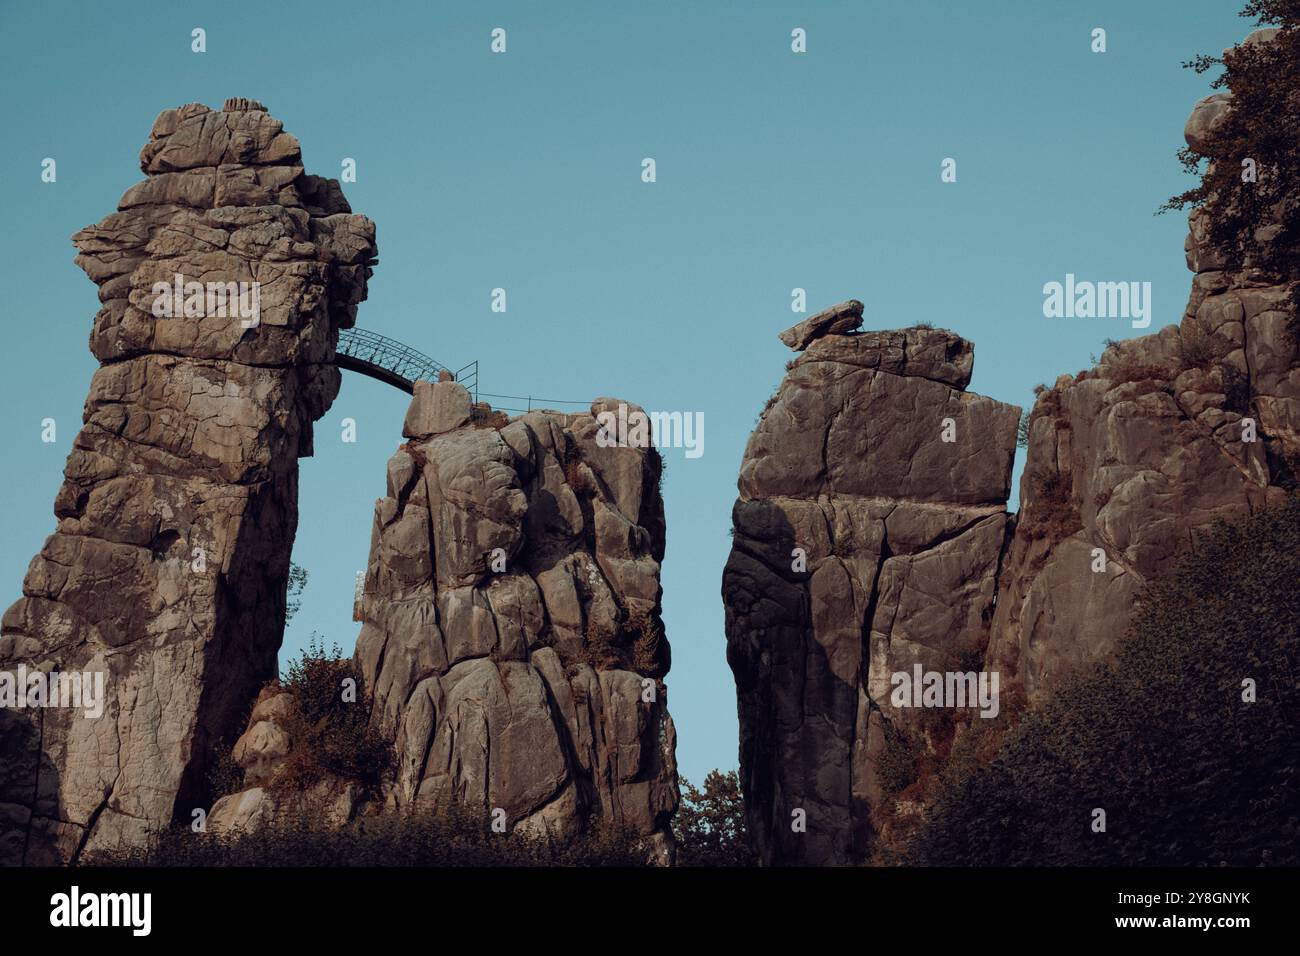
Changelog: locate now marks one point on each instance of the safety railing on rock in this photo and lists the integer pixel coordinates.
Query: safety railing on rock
(531, 402)
(385, 359)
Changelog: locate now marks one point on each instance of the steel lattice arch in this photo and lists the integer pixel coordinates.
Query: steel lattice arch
(389, 361)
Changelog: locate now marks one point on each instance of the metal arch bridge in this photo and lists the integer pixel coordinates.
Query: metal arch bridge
(391, 362)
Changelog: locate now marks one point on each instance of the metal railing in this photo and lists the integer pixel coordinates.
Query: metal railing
(388, 360)
(468, 376)
(385, 359)
(531, 400)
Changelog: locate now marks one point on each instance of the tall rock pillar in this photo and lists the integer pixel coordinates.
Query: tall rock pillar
(167, 571)
(512, 639)
(1169, 433)
(866, 540)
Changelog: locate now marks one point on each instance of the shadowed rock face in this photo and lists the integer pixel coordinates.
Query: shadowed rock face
(168, 567)
(863, 543)
(903, 535)
(511, 638)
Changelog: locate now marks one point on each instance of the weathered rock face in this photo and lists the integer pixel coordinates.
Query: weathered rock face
(871, 520)
(168, 568)
(904, 536)
(1125, 461)
(261, 752)
(837, 320)
(1168, 433)
(511, 642)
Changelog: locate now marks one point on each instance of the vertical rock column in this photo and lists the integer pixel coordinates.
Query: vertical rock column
(168, 567)
(511, 636)
(866, 539)
(1167, 434)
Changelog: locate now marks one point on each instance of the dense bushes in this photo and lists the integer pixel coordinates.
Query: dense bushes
(1163, 738)
(330, 727)
(455, 837)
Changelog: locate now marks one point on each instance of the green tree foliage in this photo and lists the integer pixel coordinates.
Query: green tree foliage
(710, 823)
(1022, 429)
(1160, 737)
(293, 594)
(1263, 125)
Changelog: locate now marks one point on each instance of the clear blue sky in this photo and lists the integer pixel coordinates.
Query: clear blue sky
(522, 171)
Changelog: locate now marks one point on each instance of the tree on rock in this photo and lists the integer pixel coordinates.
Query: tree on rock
(1249, 134)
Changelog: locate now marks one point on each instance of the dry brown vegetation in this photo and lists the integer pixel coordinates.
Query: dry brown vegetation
(1051, 512)
(1144, 373)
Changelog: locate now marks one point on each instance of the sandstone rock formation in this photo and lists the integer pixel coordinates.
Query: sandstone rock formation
(837, 320)
(867, 538)
(904, 536)
(168, 567)
(1169, 432)
(512, 642)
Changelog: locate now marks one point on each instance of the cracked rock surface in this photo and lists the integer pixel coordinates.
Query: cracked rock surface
(864, 543)
(168, 566)
(511, 634)
(1170, 432)
(911, 558)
